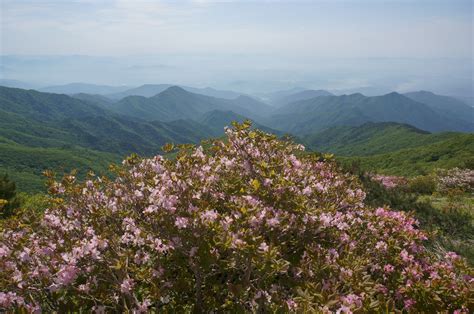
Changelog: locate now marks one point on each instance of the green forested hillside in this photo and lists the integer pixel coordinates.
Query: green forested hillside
(217, 120)
(457, 151)
(176, 103)
(25, 165)
(394, 148)
(40, 131)
(372, 138)
(38, 119)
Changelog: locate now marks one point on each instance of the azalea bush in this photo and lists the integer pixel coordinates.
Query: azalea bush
(250, 223)
(455, 179)
(389, 182)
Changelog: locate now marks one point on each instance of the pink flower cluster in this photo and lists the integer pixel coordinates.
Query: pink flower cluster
(251, 224)
(461, 179)
(389, 182)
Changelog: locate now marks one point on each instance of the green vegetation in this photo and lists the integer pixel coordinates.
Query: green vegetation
(8, 196)
(448, 216)
(455, 152)
(395, 149)
(250, 224)
(27, 164)
(217, 120)
(40, 131)
(175, 103)
(372, 138)
(37, 119)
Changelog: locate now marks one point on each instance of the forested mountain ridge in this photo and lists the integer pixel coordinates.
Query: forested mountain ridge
(93, 127)
(40, 131)
(176, 103)
(373, 138)
(444, 105)
(41, 119)
(312, 115)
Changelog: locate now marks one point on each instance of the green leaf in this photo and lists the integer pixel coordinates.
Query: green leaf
(255, 184)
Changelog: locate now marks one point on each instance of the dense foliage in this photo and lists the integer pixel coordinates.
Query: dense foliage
(373, 138)
(252, 224)
(27, 164)
(8, 197)
(42, 130)
(447, 214)
(35, 119)
(457, 151)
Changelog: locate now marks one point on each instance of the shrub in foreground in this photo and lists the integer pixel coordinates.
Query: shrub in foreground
(8, 197)
(246, 226)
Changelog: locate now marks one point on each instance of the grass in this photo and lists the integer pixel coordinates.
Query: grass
(456, 230)
(454, 152)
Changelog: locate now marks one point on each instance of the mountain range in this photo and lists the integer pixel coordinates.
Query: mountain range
(176, 103)
(149, 90)
(41, 130)
(315, 114)
(444, 105)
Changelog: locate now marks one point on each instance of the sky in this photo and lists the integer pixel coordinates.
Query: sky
(392, 45)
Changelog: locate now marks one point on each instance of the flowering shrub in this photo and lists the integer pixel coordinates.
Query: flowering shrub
(244, 226)
(460, 179)
(389, 182)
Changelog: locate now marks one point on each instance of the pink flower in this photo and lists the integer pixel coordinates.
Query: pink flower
(388, 268)
(143, 306)
(405, 256)
(307, 191)
(181, 222)
(292, 305)
(344, 309)
(352, 300)
(8, 299)
(127, 286)
(4, 251)
(408, 303)
(209, 216)
(66, 275)
(272, 222)
(381, 246)
(263, 247)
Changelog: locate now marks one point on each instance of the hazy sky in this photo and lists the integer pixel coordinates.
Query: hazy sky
(285, 37)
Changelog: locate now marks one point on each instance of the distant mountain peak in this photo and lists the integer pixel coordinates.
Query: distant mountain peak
(393, 94)
(174, 90)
